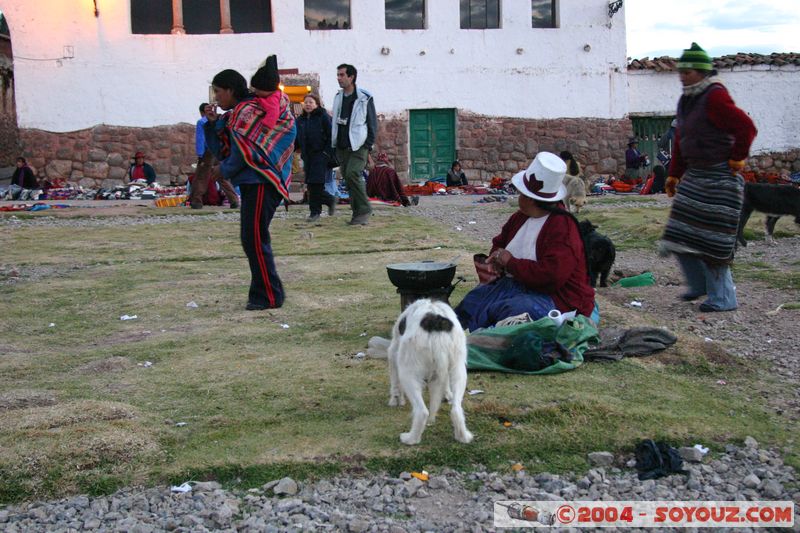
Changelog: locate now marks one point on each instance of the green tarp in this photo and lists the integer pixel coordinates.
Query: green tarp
(531, 348)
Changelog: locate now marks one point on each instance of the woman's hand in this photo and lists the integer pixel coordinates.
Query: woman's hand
(211, 113)
(500, 258)
(671, 186)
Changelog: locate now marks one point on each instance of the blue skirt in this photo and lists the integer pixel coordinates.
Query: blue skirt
(485, 305)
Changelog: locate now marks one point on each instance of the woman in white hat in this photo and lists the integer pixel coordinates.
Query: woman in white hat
(537, 263)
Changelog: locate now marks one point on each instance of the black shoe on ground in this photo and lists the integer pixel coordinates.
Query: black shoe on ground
(196, 205)
(689, 297)
(255, 307)
(312, 219)
(235, 206)
(706, 308)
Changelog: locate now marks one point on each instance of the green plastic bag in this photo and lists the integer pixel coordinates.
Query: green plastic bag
(534, 348)
(645, 279)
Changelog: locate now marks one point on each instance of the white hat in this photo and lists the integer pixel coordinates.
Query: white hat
(544, 179)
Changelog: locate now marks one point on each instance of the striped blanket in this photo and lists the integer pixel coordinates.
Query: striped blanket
(266, 150)
(705, 214)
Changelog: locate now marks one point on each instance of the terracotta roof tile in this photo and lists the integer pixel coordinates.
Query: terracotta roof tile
(666, 63)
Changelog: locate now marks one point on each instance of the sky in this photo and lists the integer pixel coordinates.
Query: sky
(657, 28)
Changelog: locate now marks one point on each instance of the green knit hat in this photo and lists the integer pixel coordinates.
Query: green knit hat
(695, 58)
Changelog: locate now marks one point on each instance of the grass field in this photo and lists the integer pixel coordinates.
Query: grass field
(91, 402)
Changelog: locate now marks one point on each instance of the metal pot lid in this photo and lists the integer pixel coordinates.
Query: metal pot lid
(422, 266)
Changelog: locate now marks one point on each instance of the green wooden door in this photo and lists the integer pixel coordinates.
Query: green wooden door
(649, 130)
(433, 142)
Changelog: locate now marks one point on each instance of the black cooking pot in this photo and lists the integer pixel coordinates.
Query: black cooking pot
(423, 275)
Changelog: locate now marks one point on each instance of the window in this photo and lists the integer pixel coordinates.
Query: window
(251, 16)
(327, 14)
(151, 16)
(4, 26)
(201, 16)
(405, 14)
(480, 14)
(543, 13)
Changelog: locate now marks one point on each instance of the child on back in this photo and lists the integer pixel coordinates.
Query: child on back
(265, 87)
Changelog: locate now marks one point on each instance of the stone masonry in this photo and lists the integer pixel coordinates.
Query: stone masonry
(486, 146)
(100, 156)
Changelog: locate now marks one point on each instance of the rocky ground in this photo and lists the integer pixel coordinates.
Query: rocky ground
(452, 501)
(447, 501)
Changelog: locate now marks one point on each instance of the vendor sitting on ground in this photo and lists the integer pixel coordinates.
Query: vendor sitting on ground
(23, 175)
(384, 183)
(455, 176)
(140, 170)
(537, 263)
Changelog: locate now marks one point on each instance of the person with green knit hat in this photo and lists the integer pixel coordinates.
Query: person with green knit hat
(712, 140)
(695, 58)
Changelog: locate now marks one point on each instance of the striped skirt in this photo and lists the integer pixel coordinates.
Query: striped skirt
(705, 214)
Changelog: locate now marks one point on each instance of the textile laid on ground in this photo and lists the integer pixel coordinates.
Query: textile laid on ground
(32, 207)
(616, 343)
(378, 201)
(540, 347)
(705, 214)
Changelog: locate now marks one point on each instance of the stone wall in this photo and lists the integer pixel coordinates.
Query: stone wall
(9, 136)
(490, 147)
(487, 147)
(777, 162)
(100, 156)
(393, 139)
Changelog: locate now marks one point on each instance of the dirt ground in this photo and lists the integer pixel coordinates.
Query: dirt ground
(754, 331)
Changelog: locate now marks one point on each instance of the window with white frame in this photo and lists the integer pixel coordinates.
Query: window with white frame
(543, 13)
(327, 14)
(405, 14)
(480, 14)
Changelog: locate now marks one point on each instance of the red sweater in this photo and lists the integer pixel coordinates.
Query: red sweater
(723, 114)
(560, 267)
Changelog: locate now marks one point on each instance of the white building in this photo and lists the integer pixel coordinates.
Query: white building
(488, 81)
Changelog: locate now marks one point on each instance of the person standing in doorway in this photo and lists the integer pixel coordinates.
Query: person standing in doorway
(354, 128)
(712, 141)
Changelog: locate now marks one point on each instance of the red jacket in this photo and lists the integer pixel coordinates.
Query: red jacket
(560, 267)
(723, 114)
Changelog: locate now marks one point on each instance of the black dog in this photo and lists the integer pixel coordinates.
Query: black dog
(600, 253)
(772, 200)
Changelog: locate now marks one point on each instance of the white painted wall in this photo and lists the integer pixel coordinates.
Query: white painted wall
(768, 94)
(122, 79)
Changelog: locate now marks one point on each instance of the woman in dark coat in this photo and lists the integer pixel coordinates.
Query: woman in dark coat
(313, 137)
(23, 175)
